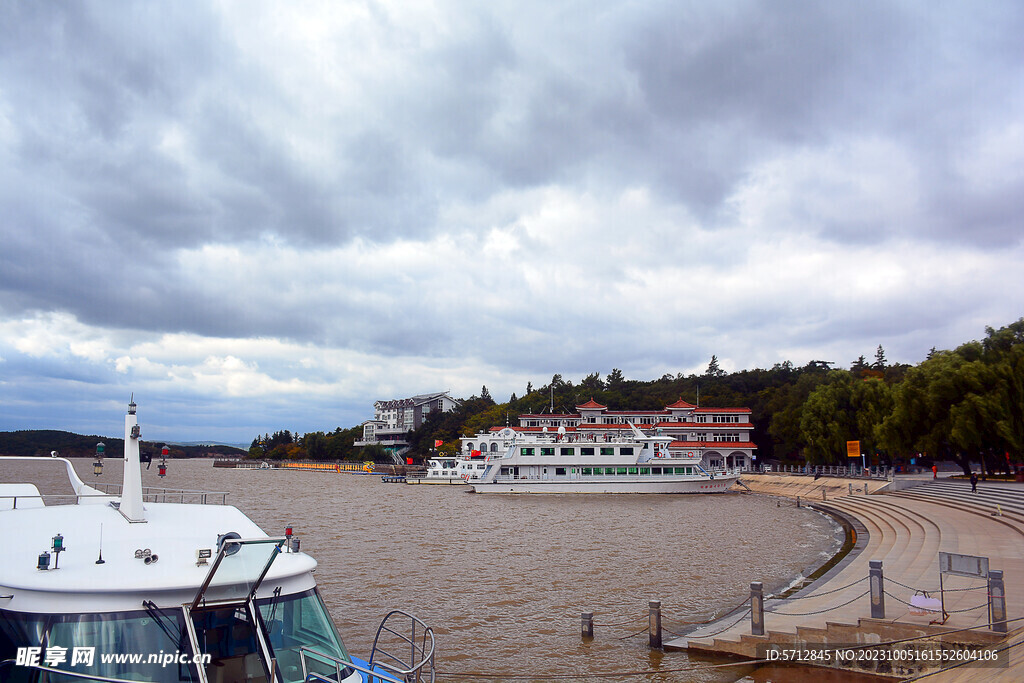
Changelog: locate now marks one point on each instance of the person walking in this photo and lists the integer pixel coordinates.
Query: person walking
(935, 471)
(974, 482)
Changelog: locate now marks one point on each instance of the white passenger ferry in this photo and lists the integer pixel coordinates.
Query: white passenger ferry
(555, 462)
(126, 587)
(449, 470)
(683, 448)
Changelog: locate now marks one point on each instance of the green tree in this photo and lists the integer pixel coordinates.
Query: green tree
(827, 421)
(880, 363)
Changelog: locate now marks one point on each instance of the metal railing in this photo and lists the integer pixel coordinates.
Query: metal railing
(412, 666)
(847, 471)
(149, 495)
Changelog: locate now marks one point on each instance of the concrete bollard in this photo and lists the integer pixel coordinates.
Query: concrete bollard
(798, 501)
(877, 589)
(997, 600)
(756, 608)
(587, 625)
(654, 623)
(850, 484)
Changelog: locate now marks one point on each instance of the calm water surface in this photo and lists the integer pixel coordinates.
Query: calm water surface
(503, 579)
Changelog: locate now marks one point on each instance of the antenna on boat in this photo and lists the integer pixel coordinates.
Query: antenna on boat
(101, 560)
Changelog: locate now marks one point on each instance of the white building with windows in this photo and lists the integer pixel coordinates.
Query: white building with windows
(394, 419)
(721, 435)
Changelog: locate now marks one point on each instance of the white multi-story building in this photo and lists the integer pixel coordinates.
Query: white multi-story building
(393, 420)
(721, 435)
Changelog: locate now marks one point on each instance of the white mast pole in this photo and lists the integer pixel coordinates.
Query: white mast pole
(131, 490)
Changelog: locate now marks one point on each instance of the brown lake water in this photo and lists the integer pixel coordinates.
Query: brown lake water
(503, 579)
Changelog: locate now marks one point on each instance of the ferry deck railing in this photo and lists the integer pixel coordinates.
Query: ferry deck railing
(149, 495)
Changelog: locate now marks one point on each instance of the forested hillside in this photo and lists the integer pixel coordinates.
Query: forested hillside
(35, 442)
(965, 405)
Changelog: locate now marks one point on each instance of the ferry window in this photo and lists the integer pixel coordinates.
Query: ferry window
(586, 451)
(526, 451)
(620, 470)
(645, 470)
(655, 470)
(567, 451)
(607, 451)
(689, 470)
(559, 471)
(632, 470)
(547, 451)
(681, 470)
(626, 450)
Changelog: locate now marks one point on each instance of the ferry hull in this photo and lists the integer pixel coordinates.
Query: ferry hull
(446, 481)
(717, 485)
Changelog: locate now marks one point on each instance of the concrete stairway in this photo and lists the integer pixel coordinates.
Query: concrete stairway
(906, 530)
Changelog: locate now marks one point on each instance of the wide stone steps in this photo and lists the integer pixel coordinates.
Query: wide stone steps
(906, 531)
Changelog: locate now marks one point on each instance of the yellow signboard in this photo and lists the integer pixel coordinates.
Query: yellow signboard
(853, 449)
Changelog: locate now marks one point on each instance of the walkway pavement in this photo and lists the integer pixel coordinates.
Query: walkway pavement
(906, 530)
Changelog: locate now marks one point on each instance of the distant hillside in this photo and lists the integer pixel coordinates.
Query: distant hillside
(70, 445)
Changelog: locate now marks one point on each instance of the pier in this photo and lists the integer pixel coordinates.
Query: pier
(875, 594)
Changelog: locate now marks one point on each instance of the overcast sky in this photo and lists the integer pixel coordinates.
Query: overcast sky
(259, 216)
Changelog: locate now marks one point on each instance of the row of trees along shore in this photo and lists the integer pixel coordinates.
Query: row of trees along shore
(964, 405)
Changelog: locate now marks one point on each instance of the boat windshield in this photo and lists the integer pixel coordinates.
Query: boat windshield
(145, 645)
(296, 621)
(153, 644)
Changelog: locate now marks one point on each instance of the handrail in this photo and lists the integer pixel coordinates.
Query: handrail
(424, 649)
(152, 496)
(339, 664)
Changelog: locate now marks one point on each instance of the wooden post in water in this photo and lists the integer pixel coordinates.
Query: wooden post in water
(756, 608)
(587, 625)
(654, 623)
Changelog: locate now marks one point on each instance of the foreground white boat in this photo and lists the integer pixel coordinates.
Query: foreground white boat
(124, 587)
(551, 463)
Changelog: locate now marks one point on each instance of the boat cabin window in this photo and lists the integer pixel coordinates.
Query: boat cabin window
(85, 642)
(567, 451)
(547, 451)
(559, 471)
(607, 451)
(526, 451)
(586, 451)
(626, 450)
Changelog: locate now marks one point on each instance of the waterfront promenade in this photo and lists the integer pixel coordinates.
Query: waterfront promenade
(906, 530)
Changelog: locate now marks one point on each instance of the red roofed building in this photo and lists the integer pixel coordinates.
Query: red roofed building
(722, 436)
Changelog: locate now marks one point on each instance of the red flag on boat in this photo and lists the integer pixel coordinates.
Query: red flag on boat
(437, 443)
(408, 461)
(474, 454)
